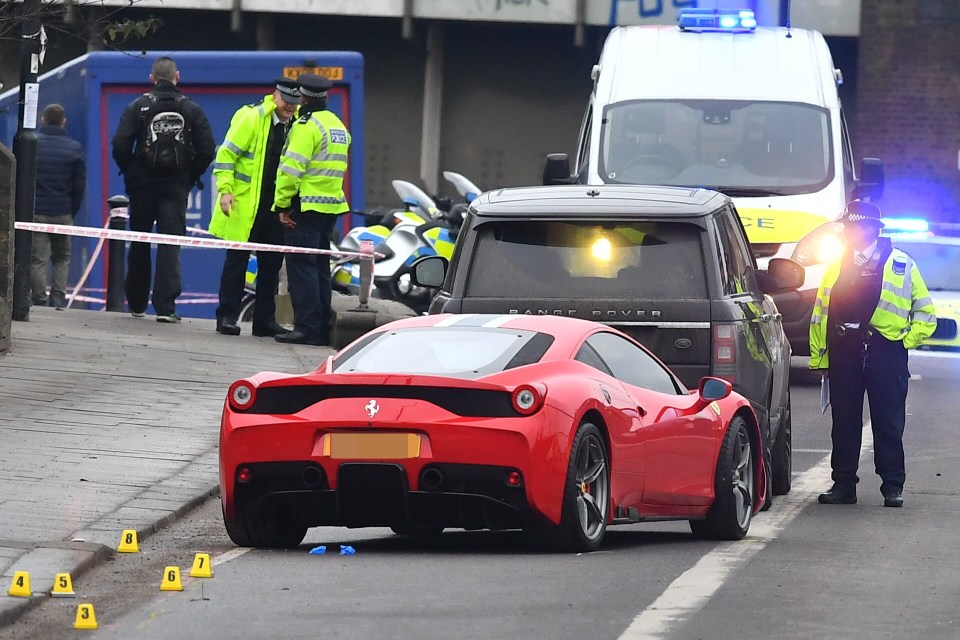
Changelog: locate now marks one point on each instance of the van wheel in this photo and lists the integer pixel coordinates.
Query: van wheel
(782, 457)
(735, 488)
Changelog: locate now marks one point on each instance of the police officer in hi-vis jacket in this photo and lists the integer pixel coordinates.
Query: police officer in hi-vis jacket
(309, 197)
(872, 306)
(246, 175)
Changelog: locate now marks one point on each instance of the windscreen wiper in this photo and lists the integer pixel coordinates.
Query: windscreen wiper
(745, 192)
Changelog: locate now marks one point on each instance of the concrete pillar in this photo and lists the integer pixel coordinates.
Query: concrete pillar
(265, 31)
(7, 191)
(432, 108)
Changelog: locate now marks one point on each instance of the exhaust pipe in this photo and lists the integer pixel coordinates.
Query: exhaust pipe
(431, 479)
(311, 477)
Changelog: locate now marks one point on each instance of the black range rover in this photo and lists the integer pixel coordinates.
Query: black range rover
(669, 266)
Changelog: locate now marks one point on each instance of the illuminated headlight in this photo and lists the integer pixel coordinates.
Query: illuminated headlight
(822, 245)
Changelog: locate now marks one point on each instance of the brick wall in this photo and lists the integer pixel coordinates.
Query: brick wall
(908, 99)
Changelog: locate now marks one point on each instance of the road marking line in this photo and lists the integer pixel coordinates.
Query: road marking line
(693, 588)
(811, 450)
(227, 556)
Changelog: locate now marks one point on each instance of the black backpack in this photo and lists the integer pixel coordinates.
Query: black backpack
(164, 135)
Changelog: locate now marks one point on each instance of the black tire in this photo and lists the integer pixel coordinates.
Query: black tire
(781, 459)
(264, 529)
(732, 510)
(586, 495)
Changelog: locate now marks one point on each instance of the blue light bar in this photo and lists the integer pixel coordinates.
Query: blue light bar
(905, 224)
(717, 20)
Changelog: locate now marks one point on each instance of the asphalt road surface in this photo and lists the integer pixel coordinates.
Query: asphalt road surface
(805, 571)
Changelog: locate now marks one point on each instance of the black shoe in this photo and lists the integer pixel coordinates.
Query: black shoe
(893, 499)
(270, 331)
(837, 495)
(228, 327)
(58, 301)
(297, 337)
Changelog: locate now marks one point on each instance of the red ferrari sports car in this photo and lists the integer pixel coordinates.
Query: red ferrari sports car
(555, 425)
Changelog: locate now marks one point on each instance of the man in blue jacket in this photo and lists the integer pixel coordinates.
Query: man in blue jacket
(61, 178)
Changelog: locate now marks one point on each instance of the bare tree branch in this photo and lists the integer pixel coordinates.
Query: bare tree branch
(89, 21)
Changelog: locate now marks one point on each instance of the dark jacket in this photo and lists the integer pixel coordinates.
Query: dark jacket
(61, 173)
(127, 136)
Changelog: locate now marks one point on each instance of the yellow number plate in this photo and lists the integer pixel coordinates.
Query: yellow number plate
(372, 446)
(330, 73)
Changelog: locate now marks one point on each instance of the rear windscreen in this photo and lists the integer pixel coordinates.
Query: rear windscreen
(615, 260)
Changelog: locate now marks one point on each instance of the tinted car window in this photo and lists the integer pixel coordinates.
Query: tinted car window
(735, 259)
(617, 259)
(633, 365)
(466, 352)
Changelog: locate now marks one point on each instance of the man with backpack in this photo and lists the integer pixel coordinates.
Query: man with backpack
(162, 145)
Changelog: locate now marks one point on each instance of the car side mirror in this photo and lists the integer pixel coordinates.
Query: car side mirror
(710, 390)
(870, 182)
(556, 170)
(429, 271)
(781, 274)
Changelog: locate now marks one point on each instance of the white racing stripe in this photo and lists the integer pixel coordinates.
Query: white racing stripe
(447, 322)
(693, 588)
(498, 321)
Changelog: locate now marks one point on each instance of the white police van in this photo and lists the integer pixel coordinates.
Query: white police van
(720, 103)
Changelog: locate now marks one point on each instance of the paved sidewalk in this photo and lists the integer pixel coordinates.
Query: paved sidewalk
(111, 423)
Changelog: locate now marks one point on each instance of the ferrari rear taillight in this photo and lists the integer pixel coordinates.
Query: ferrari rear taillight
(724, 351)
(244, 475)
(527, 399)
(241, 395)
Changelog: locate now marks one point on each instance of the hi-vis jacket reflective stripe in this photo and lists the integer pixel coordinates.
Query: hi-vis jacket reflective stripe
(238, 169)
(314, 163)
(905, 311)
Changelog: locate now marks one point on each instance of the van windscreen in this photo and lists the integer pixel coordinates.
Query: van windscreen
(611, 260)
(778, 148)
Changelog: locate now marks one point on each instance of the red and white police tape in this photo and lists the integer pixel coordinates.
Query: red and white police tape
(180, 241)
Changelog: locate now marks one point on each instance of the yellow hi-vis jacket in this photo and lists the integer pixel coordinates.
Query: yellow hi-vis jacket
(314, 164)
(238, 169)
(905, 311)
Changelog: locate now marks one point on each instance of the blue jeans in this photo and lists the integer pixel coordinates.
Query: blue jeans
(308, 275)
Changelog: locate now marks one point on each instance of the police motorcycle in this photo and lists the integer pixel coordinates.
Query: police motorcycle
(465, 188)
(420, 229)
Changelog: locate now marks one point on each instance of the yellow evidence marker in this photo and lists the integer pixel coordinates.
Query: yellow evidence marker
(62, 586)
(128, 542)
(20, 587)
(201, 566)
(86, 618)
(171, 579)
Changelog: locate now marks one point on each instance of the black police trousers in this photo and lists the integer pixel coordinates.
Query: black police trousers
(861, 362)
(268, 230)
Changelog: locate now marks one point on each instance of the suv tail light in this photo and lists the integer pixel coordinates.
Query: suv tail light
(724, 363)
